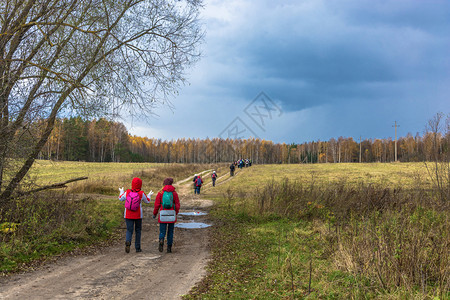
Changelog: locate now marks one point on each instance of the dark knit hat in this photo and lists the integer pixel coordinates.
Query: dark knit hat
(168, 181)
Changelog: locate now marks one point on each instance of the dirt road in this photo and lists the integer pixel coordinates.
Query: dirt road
(113, 274)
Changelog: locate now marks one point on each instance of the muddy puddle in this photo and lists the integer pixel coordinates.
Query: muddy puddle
(149, 257)
(193, 213)
(192, 225)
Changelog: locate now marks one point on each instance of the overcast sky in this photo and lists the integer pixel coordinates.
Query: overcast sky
(308, 70)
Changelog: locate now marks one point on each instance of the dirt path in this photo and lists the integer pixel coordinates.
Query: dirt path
(113, 274)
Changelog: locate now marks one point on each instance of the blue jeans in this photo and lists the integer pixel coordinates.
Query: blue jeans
(197, 190)
(162, 232)
(137, 225)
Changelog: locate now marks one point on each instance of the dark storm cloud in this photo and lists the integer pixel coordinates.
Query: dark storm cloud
(431, 16)
(336, 51)
(334, 68)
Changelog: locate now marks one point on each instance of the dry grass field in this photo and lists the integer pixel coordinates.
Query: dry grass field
(330, 231)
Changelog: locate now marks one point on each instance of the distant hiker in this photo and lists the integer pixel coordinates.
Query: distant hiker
(195, 182)
(232, 168)
(214, 177)
(168, 205)
(198, 184)
(133, 212)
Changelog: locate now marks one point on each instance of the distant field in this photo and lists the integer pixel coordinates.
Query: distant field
(105, 178)
(385, 174)
(45, 171)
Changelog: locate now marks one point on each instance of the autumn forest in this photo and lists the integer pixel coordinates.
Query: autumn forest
(76, 139)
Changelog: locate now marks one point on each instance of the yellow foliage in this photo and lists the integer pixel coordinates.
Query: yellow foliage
(8, 227)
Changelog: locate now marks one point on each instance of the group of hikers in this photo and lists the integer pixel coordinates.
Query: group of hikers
(241, 163)
(166, 202)
(198, 181)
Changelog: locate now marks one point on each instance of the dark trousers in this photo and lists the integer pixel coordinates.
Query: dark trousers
(135, 224)
(197, 190)
(162, 232)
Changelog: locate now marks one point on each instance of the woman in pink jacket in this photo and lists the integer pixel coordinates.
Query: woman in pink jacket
(133, 212)
(168, 205)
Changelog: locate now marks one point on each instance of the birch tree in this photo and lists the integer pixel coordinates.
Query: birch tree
(98, 57)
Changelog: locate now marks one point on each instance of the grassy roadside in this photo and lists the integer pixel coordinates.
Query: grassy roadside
(347, 240)
(49, 224)
(273, 258)
(266, 258)
(53, 226)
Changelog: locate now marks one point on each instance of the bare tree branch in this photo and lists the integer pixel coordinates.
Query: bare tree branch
(52, 186)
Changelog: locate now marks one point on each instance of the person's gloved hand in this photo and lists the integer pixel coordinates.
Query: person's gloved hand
(154, 216)
(150, 193)
(121, 190)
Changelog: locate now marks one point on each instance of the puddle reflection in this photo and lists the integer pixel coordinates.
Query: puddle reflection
(193, 225)
(193, 213)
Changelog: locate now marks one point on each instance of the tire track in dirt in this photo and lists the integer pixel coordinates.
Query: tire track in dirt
(113, 274)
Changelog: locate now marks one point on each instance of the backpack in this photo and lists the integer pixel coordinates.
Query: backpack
(133, 200)
(167, 200)
(214, 175)
(199, 181)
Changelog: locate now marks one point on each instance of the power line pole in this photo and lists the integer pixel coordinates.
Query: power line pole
(360, 149)
(395, 125)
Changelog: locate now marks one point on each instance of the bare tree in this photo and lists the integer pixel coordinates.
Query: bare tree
(60, 57)
(439, 172)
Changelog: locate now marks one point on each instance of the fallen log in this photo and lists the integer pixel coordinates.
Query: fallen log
(59, 185)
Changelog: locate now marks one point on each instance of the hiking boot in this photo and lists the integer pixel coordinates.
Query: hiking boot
(169, 248)
(161, 245)
(138, 250)
(127, 247)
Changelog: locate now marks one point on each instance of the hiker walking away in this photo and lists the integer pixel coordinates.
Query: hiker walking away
(214, 177)
(168, 205)
(195, 183)
(232, 167)
(198, 184)
(133, 212)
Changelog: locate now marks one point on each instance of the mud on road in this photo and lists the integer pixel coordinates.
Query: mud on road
(113, 274)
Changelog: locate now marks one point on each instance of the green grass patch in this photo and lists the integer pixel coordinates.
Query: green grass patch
(272, 258)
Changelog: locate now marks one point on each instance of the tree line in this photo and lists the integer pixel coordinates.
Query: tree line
(77, 139)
